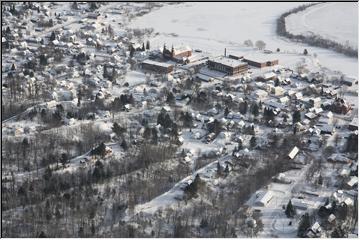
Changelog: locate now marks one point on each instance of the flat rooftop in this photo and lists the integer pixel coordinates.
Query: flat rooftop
(228, 61)
(161, 64)
(260, 58)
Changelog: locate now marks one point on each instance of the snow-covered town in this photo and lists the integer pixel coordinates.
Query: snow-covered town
(167, 119)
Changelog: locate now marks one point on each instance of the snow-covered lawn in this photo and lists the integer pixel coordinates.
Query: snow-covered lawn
(135, 78)
(337, 21)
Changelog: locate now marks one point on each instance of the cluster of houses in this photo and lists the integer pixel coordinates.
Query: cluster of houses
(74, 61)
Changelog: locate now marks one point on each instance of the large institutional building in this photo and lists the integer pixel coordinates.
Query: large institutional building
(227, 65)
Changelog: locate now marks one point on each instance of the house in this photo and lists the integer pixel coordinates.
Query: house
(315, 102)
(158, 67)
(352, 182)
(260, 94)
(326, 129)
(293, 152)
(314, 231)
(263, 198)
(331, 218)
(299, 204)
(284, 100)
(276, 106)
(260, 62)
(269, 76)
(227, 65)
(310, 115)
(277, 91)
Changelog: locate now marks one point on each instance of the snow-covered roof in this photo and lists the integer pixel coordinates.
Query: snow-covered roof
(300, 204)
(331, 218)
(316, 227)
(264, 198)
(269, 75)
(310, 115)
(260, 58)
(228, 62)
(353, 180)
(162, 64)
(293, 152)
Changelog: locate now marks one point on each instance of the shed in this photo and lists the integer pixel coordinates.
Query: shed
(293, 152)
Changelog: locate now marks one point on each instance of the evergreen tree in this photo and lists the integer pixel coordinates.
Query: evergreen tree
(243, 107)
(53, 36)
(320, 180)
(154, 134)
(143, 47)
(253, 142)
(305, 51)
(148, 45)
(132, 51)
(227, 170)
(124, 145)
(240, 145)
(63, 159)
(118, 130)
(98, 172)
(296, 116)
(277, 82)
(47, 173)
(218, 169)
(43, 59)
(147, 132)
(99, 150)
(226, 111)
(7, 30)
(255, 109)
(290, 210)
(304, 225)
(352, 143)
(170, 99)
(105, 75)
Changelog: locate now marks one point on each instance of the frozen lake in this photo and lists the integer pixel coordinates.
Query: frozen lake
(212, 26)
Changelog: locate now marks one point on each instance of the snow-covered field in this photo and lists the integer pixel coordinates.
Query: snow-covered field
(215, 26)
(337, 21)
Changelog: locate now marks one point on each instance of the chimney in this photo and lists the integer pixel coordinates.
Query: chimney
(225, 52)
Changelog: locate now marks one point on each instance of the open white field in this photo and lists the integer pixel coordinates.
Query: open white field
(337, 21)
(215, 26)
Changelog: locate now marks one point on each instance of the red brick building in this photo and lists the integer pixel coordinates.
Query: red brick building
(261, 63)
